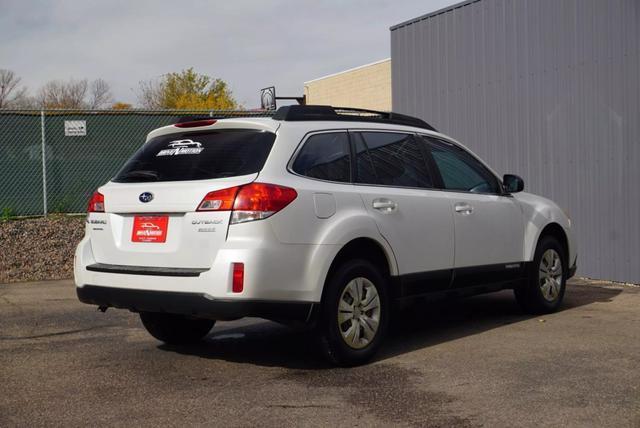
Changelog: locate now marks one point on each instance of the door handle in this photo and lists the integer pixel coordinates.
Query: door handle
(463, 208)
(384, 205)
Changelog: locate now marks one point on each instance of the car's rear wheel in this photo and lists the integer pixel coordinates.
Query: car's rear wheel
(175, 329)
(354, 315)
(546, 282)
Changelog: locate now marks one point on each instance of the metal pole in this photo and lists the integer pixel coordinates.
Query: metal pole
(44, 164)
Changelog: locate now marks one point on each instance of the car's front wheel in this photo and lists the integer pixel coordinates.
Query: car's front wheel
(354, 314)
(545, 286)
(175, 329)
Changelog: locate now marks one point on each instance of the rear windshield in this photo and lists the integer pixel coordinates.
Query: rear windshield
(198, 156)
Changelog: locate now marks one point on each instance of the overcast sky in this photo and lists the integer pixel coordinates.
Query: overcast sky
(249, 44)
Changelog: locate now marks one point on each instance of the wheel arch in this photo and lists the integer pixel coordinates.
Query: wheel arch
(555, 230)
(363, 248)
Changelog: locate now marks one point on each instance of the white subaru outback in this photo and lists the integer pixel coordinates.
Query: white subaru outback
(317, 215)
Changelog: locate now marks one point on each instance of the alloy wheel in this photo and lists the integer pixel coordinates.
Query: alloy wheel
(359, 313)
(550, 275)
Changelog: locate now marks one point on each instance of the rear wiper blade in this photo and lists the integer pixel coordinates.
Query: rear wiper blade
(142, 174)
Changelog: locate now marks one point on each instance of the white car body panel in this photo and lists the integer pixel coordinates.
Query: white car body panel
(240, 123)
(491, 233)
(287, 256)
(538, 213)
(425, 248)
(186, 246)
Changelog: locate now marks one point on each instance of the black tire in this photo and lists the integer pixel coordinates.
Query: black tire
(175, 329)
(530, 296)
(334, 346)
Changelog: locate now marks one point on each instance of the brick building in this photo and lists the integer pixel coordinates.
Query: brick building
(367, 86)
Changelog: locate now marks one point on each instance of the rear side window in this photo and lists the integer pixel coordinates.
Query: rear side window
(391, 159)
(460, 170)
(326, 157)
(198, 156)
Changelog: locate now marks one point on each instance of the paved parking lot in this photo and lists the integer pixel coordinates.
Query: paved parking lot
(469, 363)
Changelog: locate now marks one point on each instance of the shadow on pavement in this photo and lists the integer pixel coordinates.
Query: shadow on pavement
(420, 325)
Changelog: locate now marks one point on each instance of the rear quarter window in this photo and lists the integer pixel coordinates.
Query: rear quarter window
(325, 156)
(198, 156)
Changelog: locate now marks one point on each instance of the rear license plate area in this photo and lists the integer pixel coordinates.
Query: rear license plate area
(150, 229)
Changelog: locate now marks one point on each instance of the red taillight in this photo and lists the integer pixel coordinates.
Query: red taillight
(253, 201)
(195, 123)
(238, 277)
(96, 203)
(263, 197)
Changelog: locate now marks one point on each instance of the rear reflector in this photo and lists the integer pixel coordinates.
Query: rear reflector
(220, 200)
(96, 203)
(195, 123)
(254, 201)
(238, 277)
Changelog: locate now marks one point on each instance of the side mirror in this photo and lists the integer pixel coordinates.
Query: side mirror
(513, 183)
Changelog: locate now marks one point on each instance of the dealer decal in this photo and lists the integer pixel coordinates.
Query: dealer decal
(150, 229)
(182, 147)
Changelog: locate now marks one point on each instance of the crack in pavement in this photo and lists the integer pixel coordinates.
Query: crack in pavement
(302, 406)
(58, 333)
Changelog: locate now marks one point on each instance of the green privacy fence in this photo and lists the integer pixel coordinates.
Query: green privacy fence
(52, 160)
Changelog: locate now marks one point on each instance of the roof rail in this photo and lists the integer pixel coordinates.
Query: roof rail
(319, 112)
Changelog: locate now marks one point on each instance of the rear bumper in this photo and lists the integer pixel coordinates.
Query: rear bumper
(193, 304)
(272, 271)
(144, 270)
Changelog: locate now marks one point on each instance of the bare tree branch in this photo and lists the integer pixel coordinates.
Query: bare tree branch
(71, 94)
(9, 85)
(150, 94)
(22, 100)
(100, 94)
(59, 94)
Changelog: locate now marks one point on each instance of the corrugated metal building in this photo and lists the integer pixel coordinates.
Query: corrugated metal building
(545, 89)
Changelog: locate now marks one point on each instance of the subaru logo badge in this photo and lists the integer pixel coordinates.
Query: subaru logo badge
(146, 197)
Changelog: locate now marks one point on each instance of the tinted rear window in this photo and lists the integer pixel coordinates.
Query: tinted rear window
(198, 156)
(326, 157)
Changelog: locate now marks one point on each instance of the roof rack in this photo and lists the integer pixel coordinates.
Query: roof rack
(319, 112)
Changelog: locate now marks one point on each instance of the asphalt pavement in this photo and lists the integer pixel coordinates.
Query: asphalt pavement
(467, 363)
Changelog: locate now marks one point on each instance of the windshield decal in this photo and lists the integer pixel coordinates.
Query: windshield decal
(182, 147)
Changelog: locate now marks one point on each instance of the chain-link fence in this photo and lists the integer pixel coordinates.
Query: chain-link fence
(52, 160)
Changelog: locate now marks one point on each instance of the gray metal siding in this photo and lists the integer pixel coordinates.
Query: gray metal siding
(545, 89)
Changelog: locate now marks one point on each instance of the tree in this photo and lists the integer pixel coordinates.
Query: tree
(121, 106)
(59, 94)
(75, 94)
(11, 95)
(186, 90)
(99, 94)
(150, 94)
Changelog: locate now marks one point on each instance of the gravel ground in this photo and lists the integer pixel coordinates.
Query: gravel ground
(39, 249)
